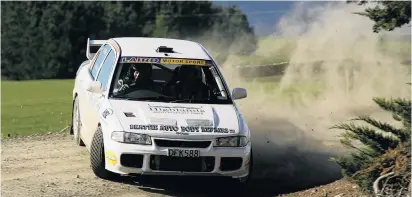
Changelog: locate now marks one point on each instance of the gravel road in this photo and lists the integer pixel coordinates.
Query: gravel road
(52, 165)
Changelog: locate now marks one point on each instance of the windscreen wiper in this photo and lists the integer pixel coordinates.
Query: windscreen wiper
(182, 100)
(121, 97)
(148, 98)
(189, 100)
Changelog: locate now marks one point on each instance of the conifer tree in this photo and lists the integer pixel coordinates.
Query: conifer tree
(384, 151)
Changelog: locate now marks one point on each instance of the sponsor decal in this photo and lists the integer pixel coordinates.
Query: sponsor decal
(107, 112)
(214, 130)
(182, 129)
(111, 158)
(183, 61)
(158, 60)
(145, 127)
(176, 110)
(181, 133)
(132, 59)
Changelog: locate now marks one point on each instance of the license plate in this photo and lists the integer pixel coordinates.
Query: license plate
(183, 153)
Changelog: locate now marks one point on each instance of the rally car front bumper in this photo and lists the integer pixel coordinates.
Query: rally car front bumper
(128, 159)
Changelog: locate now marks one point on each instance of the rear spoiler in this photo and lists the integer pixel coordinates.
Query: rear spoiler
(93, 43)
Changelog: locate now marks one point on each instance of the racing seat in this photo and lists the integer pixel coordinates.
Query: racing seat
(167, 88)
(175, 76)
(190, 85)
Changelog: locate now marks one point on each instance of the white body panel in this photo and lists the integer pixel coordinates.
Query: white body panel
(146, 47)
(93, 105)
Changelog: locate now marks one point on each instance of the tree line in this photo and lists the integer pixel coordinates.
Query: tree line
(47, 40)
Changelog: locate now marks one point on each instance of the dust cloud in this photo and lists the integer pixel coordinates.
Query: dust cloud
(334, 51)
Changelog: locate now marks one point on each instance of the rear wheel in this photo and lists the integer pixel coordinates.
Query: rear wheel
(76, 123)
(97, 157)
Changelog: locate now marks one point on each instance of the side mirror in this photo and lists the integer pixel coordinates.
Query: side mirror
(95, 87)
(239, 93)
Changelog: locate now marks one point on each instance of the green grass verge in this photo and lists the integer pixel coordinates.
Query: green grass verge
(39, 106)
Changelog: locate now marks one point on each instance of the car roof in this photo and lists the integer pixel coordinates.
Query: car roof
(146, 47)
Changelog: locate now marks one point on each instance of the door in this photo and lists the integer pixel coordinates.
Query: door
(85, 78)
(87, 111)
(96, 99)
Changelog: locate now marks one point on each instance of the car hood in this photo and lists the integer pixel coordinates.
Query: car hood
(181, 119)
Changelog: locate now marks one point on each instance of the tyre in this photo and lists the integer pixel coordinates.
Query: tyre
(76, 123)
(246, 179)
(97, 157)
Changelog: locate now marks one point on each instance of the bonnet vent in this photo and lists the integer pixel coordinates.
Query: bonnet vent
(165, 49)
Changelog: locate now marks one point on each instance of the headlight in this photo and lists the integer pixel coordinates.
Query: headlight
(131, 138)
(236, 141)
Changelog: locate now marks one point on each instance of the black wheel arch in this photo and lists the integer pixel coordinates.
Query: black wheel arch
(71, 125)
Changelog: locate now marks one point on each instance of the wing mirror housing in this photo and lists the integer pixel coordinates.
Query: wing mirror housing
(239, 93)
(95, 87)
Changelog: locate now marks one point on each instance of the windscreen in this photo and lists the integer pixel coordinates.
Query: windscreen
(168, 80)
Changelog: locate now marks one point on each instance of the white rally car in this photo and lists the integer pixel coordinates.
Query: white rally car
(155, 106)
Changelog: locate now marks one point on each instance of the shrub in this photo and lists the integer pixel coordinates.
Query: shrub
(381, 164)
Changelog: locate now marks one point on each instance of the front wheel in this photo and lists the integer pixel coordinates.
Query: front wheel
(246, 179)
(97, 156)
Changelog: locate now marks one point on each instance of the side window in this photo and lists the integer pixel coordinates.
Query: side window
(100, 57)
(107, 66)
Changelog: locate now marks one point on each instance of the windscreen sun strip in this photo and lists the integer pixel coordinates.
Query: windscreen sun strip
(159, 60)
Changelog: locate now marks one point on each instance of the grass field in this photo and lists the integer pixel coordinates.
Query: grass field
(35, 106)
(43, 106)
